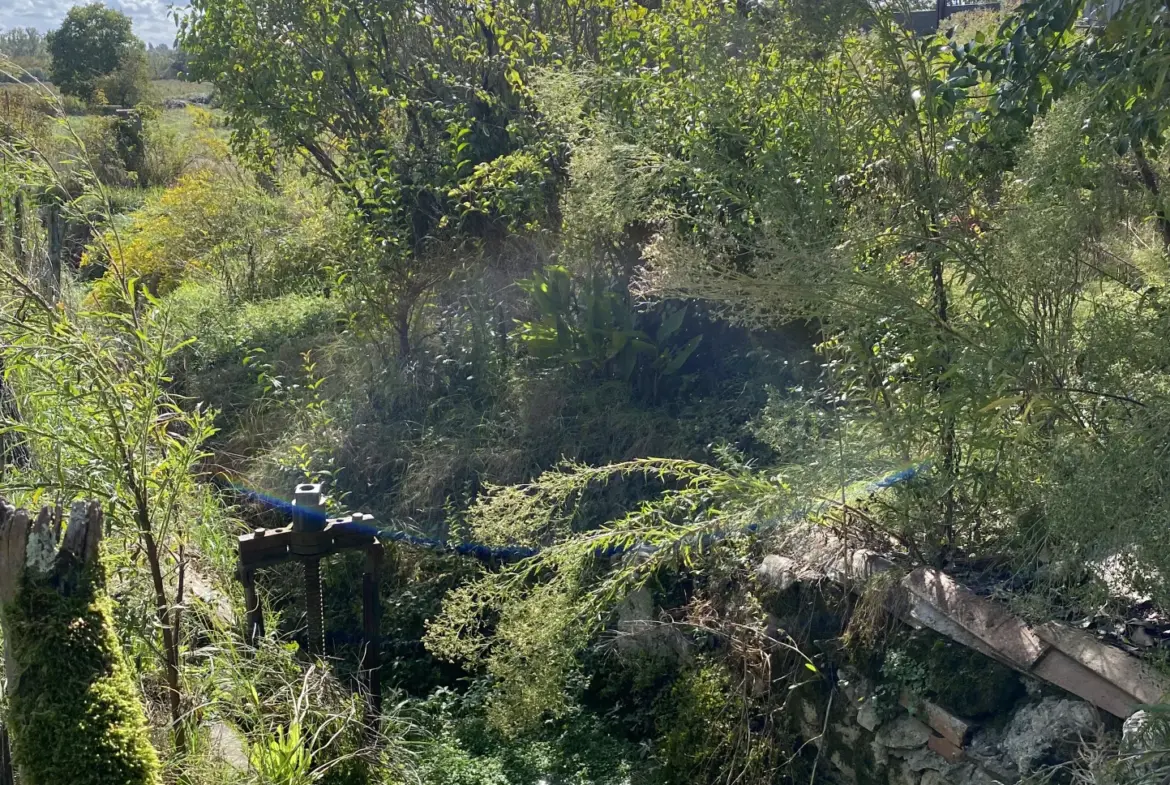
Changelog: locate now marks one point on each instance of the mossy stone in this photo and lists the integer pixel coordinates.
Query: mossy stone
(75, 715)
(963, 680)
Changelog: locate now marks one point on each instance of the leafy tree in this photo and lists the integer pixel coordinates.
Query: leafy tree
(25, 47)
(167, 62)
(959, 228)
(1039, 55)
(22, 42)
(129, 83)
(422, 117)
(93, 42)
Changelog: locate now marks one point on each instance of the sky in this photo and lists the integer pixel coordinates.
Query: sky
(152, 18)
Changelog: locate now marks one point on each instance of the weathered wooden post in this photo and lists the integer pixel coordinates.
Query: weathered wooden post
(3, 239)
(52, 219)
(371, 665)
(73, 712)
(18, 240)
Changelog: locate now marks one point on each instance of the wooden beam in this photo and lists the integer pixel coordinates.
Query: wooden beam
(264, 545)
(270, 546)
(1127, 673)
(1058, 668)
(945, 748)
(990, 623)
(954, 729)
(371, 665)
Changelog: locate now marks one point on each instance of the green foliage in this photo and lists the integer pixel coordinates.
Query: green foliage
(448, 762)
(75, 716)
(92, 43)
(26, 49)
(595, 328)
(299, 722)
(950, 674)
(220, 225)
(282, 758)
(95, 417)
(430, 164)
(971, 229)
(578, 750)
(129, 83)
(247, 354)
(698, 721)
(169, 63)
(549, 607)
(24, 116)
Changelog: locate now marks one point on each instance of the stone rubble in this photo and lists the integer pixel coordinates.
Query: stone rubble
(865, 745)
(1039, 731)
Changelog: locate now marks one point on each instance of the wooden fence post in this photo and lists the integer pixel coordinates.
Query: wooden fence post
(371, 629)
(7, 773)
(18, 245)
(3, 233)
(53, 231)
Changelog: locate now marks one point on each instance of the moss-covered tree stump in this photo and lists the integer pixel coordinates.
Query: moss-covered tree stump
(73, 713)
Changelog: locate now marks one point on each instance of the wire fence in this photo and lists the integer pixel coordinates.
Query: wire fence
(496, 554)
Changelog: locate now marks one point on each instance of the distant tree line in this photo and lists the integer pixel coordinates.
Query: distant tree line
(105, 44)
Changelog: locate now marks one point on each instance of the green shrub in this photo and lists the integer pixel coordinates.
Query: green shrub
(218, 223)
(962, 680)
(243, 352)
(446, 763)
(129, 84)
(592, 326)
(581, 749)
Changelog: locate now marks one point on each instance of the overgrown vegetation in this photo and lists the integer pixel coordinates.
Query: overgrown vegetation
(641, 287)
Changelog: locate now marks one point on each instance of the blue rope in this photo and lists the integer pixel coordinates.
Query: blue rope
(514, 553)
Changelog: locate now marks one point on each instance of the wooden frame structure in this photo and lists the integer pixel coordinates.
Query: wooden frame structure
(309, 539)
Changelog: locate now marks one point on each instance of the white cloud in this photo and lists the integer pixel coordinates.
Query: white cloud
(152, 19)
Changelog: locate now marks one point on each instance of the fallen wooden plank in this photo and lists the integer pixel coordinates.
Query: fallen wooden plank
(991, 623)
(1126, 672)
(1108, 677)
(920, 613)
(944, 747)
(1058, 668)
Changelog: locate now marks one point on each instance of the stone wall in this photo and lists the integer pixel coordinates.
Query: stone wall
(921, 681)
(918, 742)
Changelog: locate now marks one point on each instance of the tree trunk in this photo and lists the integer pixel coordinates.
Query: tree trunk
(18, 238)
(948, 442)
(7, 774)
(168, 616)
(74, 714)
(402, 311)
(1150, 181)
